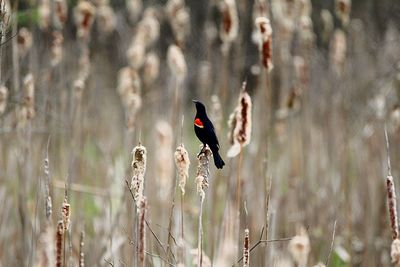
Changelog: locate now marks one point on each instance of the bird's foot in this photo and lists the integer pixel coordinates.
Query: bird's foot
(201, 151)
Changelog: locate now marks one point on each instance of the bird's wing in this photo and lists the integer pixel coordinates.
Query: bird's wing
(212, 134)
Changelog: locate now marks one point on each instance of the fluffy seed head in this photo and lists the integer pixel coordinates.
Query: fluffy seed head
(342, 9)
(229, 27)
(3, 98)
(106, 19)
(138, 172)
(134, 8)
(142, 230)
(66, 214)
(24, 41)
(203, 171)
(136, 54)
(299, 247)
(182, 163)
(148, 29)
(338, 50)
(151, 68)
(264, 28)
(240, 135)
(61, 13)
(176, 62)
(395, 252)
(44, 12)
(56, 50)
(84, 16)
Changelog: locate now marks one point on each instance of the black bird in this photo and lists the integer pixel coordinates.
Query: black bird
(205, 131)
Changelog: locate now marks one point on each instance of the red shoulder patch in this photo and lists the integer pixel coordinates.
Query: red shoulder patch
(198, 123)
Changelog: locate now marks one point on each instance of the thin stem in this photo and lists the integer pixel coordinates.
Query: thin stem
(332, 242)
(200, 237)
(388, 153)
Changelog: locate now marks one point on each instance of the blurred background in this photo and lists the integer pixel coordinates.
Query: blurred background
(84, 82)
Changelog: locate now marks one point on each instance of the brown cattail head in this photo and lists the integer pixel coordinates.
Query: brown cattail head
(229, 27)
(203, 171)
(299, 247)
(138, 172)
(59, 243)
(240, 135)
(24, 40)
(342, 9)
(265, 41)
(106, 19)
(395, 252)
(61, 13)
(142, 230)
(151, 68)
(84, 16)
(66, 214)
(182, 163)
(391, 197)
(81, 252)
(3, 99)
(338, 50)
(246, 248)
(44, 14)
(177, 62)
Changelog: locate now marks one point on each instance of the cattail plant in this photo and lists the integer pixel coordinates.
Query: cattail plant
(229, 27)
(265, 42)
(392, 207)
(176, 62)
(246, 248)
(44, 14)
(240, 123)
(134, 8)
(327, 24)
(299, 247)
(59, 243)
(182, 163)
(342, 9)
(81, 252)
(148, 28)
(202, 177)
(84, 16)
(151, 69)
(45, 248)
(179, 18)
(164, 161)
(66, 214)
(56, 49)
(142, 231)
(136, 54)
(129, 90)
(138, 172)
(24, 40)
(26, 110)
(338, 50)
(106, 19)
(3, 99)
(61, 13)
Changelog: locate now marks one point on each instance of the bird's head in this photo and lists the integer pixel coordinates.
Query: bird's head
(199, 106)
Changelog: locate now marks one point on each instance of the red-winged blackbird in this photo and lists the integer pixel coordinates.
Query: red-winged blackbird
(205, 131)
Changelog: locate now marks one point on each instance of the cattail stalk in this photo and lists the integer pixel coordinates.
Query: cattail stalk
(299, 247)
(142, 231)
(202, 177)
(81, 252)
(391, 195)
(59, 243)
(246, 248)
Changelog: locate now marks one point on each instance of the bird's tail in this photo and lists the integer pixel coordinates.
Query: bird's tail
(219, 163)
